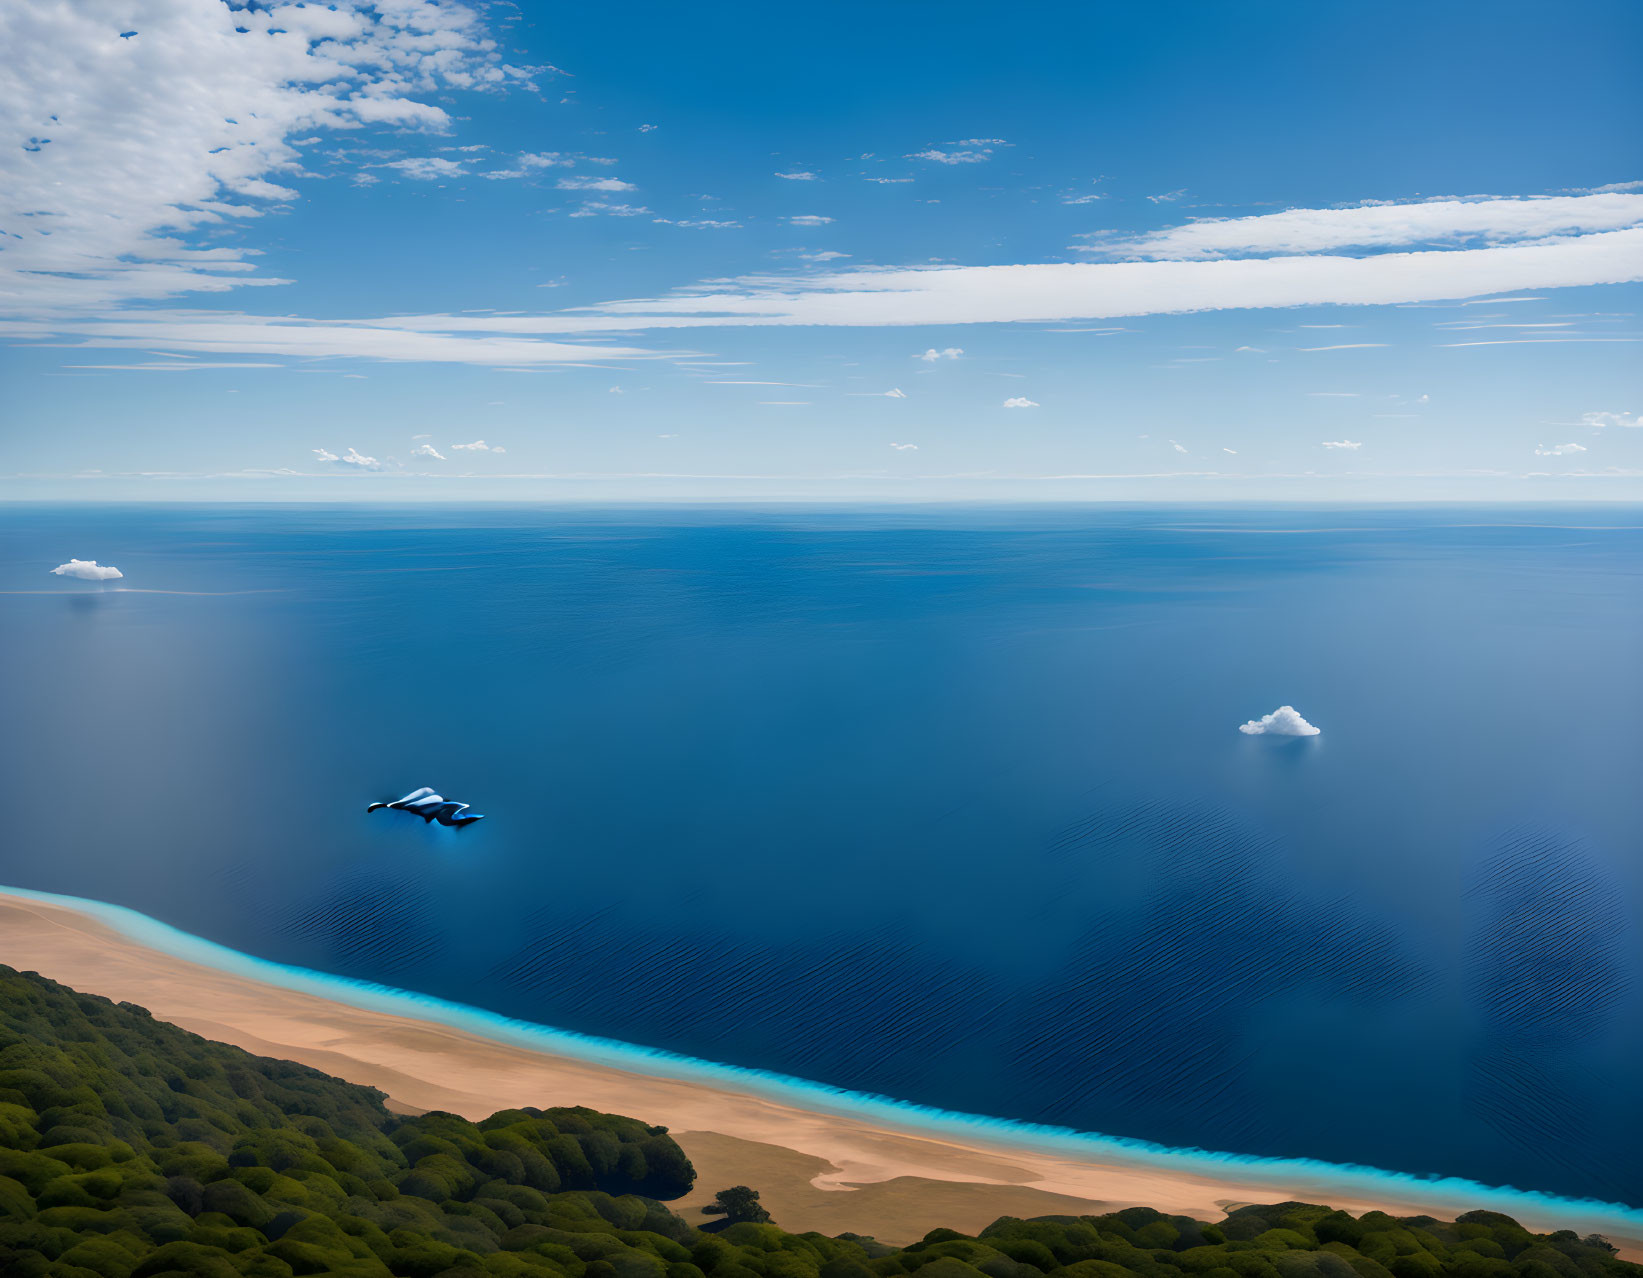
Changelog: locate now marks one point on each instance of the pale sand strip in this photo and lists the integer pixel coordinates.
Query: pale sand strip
(815, 1170)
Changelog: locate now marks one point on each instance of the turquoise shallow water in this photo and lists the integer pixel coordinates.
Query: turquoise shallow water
(948, 808)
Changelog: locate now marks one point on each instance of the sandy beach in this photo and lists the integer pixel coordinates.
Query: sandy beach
(816, 1170)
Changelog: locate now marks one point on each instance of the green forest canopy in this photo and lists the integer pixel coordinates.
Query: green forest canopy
(130, 1148)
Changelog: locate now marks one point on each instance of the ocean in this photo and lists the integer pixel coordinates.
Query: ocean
(947, 805)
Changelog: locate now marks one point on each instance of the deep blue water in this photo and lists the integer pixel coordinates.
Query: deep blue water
(945, 805)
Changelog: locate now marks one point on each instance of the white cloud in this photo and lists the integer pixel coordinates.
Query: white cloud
(1387, 225)
(800, 176)
(966, 151)
(1601, 420)
(897, 393)
(905, 448)
(449, 339)
(1108, 290)
(1050, 291)
(826, 255)
(428, 168)
(478, 446)
(809, 219)
(578, 183)
(1020, 401)
(1352, 445)
(1282, 722)
(649, 128)
(162, 144)
(353, 457)
(932, 355)
(88, 570)
(1233, 451)
(1180, 448)
(593, 208)
(427, 450)
(1558, 450)
(530, 162)
(1168, 197)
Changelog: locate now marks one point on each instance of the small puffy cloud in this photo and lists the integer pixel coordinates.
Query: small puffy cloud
(428, 168)
(1558, 450)
(1168, 197)
(478, 446)
(579, 183)
(1180, 448)
(427, 450)
(616, 390)
(593, 208)
(1600, 420)
(1233, 451)
(896, 393)
(353, 457)
(1020, 401)
(932, 355)
(649, 128)
(1351, 445)
(1282, 722)
(826, 255)
(809, 219)
(905, 448)
(964, 151)
(88, 570)
(800, 176)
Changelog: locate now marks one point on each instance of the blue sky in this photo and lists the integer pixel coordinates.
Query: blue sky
(1139, 251)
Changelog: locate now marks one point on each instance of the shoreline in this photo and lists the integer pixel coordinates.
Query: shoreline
(823, 1158)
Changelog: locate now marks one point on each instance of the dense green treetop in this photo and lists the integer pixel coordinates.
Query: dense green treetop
(130, 1148)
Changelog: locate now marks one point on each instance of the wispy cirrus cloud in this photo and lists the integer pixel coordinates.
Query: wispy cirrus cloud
(218, 333)
(1380, 226)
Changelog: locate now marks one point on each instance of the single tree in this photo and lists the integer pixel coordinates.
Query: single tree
(737, 1204)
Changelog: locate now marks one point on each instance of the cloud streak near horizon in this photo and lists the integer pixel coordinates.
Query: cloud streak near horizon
(925, 296)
